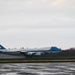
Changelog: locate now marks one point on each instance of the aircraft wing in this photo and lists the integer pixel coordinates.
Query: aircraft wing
(28, 53)
(33, 53)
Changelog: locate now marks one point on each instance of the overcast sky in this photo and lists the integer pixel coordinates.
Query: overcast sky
(37, 23)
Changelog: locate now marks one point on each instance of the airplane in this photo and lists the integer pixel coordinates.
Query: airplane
(30, 52)
(53, 49)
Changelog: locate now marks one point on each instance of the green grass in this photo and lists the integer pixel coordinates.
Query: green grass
(36, 60)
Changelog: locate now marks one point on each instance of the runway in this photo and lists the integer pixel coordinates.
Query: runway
(38, 69)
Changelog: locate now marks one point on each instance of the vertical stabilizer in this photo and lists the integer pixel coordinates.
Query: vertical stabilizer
(2, 48)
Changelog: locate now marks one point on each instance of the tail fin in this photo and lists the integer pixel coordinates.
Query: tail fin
(55, 49)
(1, 47)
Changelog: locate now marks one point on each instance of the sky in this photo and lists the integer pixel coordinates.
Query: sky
(37, 23)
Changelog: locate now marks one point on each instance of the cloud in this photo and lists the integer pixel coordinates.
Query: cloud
(37, 22)
(38, 38)
(57, 2)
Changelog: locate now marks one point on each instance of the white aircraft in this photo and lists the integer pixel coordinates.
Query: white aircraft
(40, 52)
(28, 52)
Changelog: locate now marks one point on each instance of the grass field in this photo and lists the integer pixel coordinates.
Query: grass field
(36, 60)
